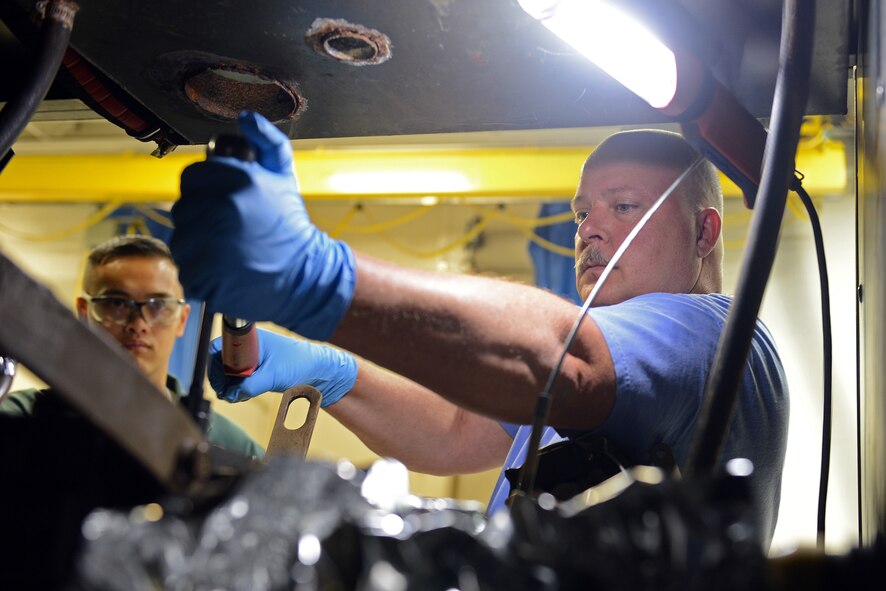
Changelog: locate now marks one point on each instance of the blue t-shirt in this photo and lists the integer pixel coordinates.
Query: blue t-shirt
(662, 347)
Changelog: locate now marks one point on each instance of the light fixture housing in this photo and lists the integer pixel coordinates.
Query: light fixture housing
(675, 83)
(613, 40)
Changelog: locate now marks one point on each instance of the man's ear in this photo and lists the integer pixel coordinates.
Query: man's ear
(81, 304)
(708, 224)
(183, 320)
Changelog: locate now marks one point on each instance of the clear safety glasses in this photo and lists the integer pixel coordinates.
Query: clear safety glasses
(115, 309)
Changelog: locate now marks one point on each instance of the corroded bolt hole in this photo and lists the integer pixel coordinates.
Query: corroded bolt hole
(349, 48)
(348, 43)
(225, 91)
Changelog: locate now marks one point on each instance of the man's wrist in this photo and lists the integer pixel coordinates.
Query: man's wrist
(318, 308)
(334, 392)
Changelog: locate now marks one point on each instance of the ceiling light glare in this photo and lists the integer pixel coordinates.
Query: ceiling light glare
(613, 40)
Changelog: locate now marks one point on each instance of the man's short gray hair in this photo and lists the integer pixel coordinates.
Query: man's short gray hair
(663, 148)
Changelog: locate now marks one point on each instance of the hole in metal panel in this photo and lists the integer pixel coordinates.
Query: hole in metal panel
(225, 91)
(348, 43)
(349, 48)
(297, 413)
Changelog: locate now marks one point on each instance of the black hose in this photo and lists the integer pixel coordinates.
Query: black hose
(827, 356)
(56, 32)
(196, 403)
(791, 92)
(529, 470)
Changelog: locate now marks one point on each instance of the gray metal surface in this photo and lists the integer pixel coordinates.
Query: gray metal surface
(872, 279)
(455, 65)
(294, 441)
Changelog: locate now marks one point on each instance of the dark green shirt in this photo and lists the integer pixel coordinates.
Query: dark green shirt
(222, 431)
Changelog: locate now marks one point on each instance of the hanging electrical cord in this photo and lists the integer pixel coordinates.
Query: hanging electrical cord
(153, 215)
(524, 225)
(529, 223)
(345, 227)
(791, 91)
(106, 210)
(465, 239)
(343, 224)
(58, 20)
(827, 357)
(546, 244)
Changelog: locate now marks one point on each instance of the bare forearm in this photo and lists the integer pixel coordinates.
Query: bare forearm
(484, 344)
(398, 418)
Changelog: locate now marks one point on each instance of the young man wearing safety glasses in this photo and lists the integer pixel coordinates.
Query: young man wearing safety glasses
(131, 290)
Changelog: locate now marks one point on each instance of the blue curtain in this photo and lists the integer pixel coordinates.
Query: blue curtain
(554, 271)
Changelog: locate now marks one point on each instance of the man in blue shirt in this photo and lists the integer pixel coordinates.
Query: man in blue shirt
(449, 363)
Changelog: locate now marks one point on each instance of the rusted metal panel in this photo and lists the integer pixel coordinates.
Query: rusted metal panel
(430, 66)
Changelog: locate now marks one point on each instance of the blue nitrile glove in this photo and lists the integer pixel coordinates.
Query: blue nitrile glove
(284, 362)
(244, 243)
